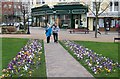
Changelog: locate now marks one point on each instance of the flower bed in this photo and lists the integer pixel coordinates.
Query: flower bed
(95, 62)
(26, 61)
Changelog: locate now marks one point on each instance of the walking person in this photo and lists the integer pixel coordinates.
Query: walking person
(55, 30)
(98, 29)
(48, 32)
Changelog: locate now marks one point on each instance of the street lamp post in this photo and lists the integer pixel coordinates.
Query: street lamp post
(28, 32)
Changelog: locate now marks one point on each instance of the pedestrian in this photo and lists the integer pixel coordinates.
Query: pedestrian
(48, 32)
(55, 30)
(98, 29)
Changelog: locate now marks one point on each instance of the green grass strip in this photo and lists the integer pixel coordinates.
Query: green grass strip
(10, 48)
(41, 71)
(0, 56)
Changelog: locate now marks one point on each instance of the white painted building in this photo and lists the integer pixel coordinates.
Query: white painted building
(109, 17)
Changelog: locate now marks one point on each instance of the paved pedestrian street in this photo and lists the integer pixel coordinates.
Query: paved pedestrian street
(60, 63)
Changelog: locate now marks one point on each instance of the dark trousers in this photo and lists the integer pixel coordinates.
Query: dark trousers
(48, 39)
(99, 32)
(55, 35)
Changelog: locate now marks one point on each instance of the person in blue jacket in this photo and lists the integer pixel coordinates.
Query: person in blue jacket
(48, 32)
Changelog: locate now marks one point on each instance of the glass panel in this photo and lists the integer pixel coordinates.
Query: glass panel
(113, 23)
(116, 6)
(110, 6)
(94, 6)
(64, 21)
(101, 22)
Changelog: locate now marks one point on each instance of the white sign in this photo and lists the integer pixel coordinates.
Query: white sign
(108, 14)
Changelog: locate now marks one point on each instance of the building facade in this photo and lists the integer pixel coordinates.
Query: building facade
(66, 15)
(7, 11)
(12, 11)
(109, 18)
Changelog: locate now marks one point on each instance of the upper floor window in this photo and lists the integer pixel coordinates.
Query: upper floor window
(111, 4)
(61, 0)
(95, 5)
(19, 7)
(10, 6)
(115, 6)
(5, 6)
(38, 2)
(15, 6)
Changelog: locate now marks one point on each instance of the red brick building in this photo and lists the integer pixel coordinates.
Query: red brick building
(11, 11)
(0, 12)
(7, 8)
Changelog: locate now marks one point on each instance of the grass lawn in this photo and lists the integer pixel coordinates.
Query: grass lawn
(10, 48)
(106, 49)
(0, 56)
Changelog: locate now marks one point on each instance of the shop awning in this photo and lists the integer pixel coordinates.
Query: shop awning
(60, 9)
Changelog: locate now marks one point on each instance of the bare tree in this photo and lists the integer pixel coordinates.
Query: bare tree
(96, 12)
(24, 11)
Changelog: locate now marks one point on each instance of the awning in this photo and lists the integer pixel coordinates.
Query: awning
(60, 9)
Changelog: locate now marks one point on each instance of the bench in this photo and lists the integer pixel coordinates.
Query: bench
(116, 39)
(79, 30)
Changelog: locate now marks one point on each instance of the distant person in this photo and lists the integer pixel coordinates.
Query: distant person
(118, 27)
(98, 29)
(48, 32)
(55, 30)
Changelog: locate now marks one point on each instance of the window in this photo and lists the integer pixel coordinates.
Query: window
(15, 6)
(43, 2)
(111, 6)
(115, 6)
(101, 22)
(5, 5)
(112, 23)
(10, 5)
(94, 6)
(19, 7)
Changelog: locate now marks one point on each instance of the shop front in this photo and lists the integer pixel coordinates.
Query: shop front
(66, 16)
(109, 21)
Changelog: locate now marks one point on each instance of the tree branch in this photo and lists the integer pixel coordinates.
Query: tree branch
(89, 8)
(104, 9)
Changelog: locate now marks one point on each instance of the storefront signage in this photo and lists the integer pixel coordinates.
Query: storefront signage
(78, 11)
(41, 12)
(49, 12)
(68, 3)
(38, 13)
(62, 11)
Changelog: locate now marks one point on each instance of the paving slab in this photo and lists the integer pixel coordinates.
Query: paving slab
(60, 63)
